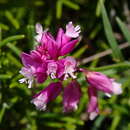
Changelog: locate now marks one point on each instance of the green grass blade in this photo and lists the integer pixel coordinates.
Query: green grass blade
(16, 50)
(14, 59)
(59, 9)
(10, 39)
(98, 8)
(71, 4)
(31, 34)
(117, 55)
(4, 27)
(124, 29)
(5, 76)
(2, 111)
(12, 20)
(79, 52)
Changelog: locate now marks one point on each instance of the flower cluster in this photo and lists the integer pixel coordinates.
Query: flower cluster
(49, 59)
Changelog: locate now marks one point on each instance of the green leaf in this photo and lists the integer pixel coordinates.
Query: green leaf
(4, 27)
(98, 9)
(117, 55)
(71, 4)
(2, 111)
(5, 76)
(12, 20)
(31, 35)
(79, 52)
(54, 124)
(10, 39)
(14, 59)
(16, 50)
(115, 122)
(59, 9)
(124, 29)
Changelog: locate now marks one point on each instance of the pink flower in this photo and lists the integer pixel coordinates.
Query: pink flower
(28, 73)
(60, 46)
(41, 35)
(93, 103)
(40, 73)
(47, 60)
(34, 67)
(71, 96)
(102, 82)
(116, 87)
(62, 69)
(68, 47)
(52, 69)
(70, 67)
(72, 31)
(64, 43)
(48, 94)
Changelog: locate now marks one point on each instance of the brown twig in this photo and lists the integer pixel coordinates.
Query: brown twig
(102, 54)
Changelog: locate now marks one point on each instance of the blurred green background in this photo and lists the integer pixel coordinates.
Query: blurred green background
(105, 33)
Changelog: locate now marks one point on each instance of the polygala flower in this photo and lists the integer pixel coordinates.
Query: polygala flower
(71, 96)
(70, 67)
(72, 31)
(48, 94)
(28, 73)
(93, 103)
(102, 82)
(49, 59)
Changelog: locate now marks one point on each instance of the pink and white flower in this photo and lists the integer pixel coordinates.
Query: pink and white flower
(102, 82)
(72, 31)
(71, 96)
(47, 60)
(48, 94)
(28, 73)
(92, 108)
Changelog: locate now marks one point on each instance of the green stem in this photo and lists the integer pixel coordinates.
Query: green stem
(10, 39)
(125, 65)
(5, 76)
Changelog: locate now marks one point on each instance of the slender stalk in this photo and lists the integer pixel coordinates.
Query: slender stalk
(124, 65)
(10, 39)
(102, 54)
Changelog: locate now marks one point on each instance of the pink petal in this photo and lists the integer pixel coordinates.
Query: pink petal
(99, 81)
(72, 31)
(39, 28)
(26, 59)
(59, 38)
(71, 96)
(52, 49)
(117, 88)
(48, 94)
(93, 103)
(68, 47)
(41, 73)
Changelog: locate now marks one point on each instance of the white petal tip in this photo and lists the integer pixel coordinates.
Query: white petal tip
(93, 115)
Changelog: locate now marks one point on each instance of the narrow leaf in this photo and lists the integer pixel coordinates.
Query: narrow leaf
(124, 29)
(10, 39)
(14, 59)
(15, 49)
(59, 9)
(13, 20)
(117, 55)
(31, 35)
(71, 4)
(4, 27)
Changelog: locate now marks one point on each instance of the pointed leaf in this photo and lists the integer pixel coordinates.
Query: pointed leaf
(117, 55)
(124, 29)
